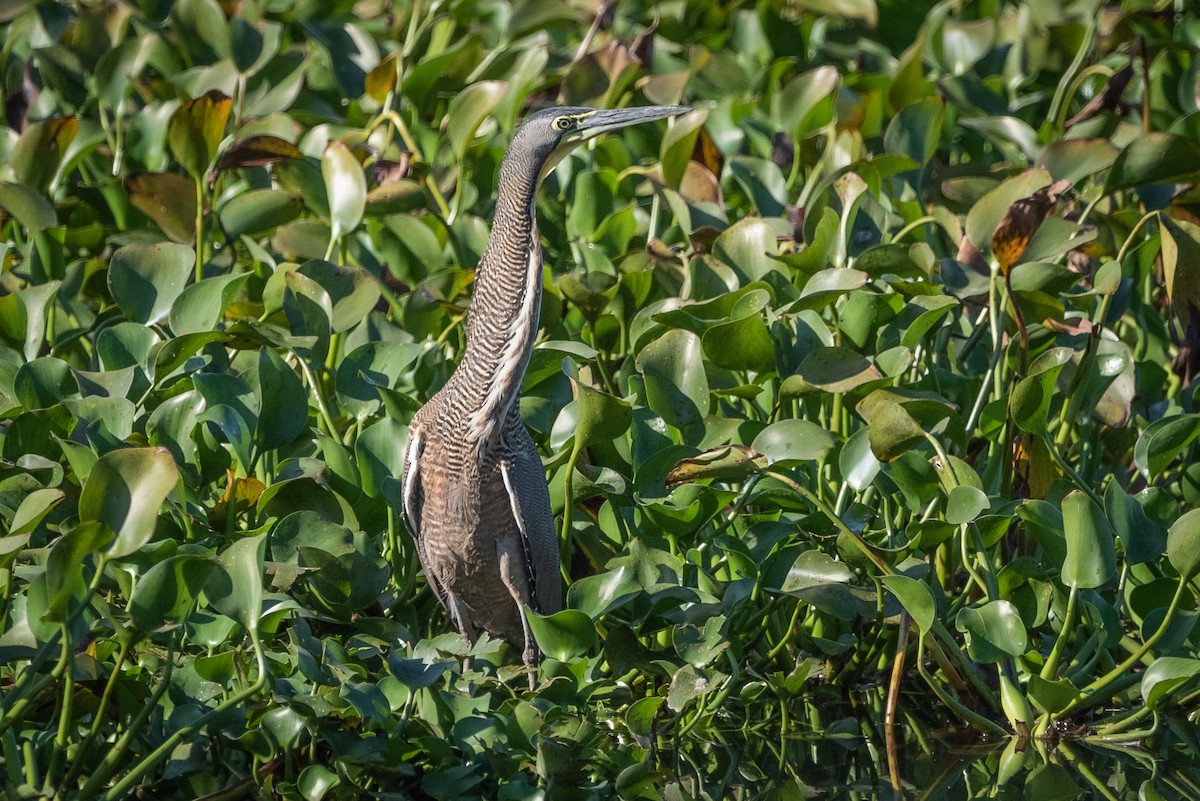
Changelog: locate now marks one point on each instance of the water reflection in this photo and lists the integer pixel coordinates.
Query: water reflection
(848, 760)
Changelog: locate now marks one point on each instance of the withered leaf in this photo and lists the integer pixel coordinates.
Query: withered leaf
(1021, 222)
(257, 151)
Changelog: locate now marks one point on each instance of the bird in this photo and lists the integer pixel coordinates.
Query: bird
(474, 493)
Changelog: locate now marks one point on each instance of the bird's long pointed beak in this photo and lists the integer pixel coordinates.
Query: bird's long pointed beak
(612, 119)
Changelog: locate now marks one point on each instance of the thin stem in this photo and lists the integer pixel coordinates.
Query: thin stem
(1064, 634)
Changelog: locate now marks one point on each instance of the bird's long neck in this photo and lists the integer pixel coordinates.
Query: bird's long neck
(503, 320)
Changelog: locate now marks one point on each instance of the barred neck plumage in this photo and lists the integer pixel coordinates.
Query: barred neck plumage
(503, 320)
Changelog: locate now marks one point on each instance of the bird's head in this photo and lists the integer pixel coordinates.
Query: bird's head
(551, 133)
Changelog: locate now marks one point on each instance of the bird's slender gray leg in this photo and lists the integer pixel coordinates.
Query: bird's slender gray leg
(458, 614)
(514, 575)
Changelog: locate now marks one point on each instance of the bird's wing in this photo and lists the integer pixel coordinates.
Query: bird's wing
(412, 484)
(525, 482)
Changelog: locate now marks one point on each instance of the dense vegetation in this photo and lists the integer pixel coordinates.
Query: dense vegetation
(866, 394)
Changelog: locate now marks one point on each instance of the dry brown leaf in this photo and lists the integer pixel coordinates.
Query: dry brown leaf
(1021, 222)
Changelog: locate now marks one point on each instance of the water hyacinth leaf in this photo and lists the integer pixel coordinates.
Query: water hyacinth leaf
(743, 344)
(1164, 677)
(168, 590)
(257, 151)
(1155, 158)
(369, 367)
(125, 490)
(284, 412)
(857, 463)
(1030, 402)
(827, 286)
(468, 110)
(678, 143)
(145, 280)
(1143, 539)
(235, 586)
(837, 369)
(597, 595)
(745, 246)
(805, 103)
(416, 674)
(1162, 441)
(1051, 697)
(43, 382)
(345, 188)
(1183, 544)
(352, 291)
(167, 198)
(259, 212)
(964, 504)
(196, 129)
(676, 385)
(789, 441)
(1091, 559)
(563, 635)
(892, 431)
(23, 316)
(33, 509)
(916, 598)
(916, 130)
(30, 209)
(1021, 222)
(200, 306)
(315, 782)
(601, 417)
(65, 566)
(39, 149)
(379, 452)
(985, 215)
(1181, 264)
(994, 631)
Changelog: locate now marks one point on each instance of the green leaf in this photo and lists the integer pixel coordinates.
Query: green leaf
(916, 598)
(964, 504)
(790, 441)
(65, 564)
(1029, 404)
(563, 635)
(1162, 441)
(43, 382)
(125, 490)
(259, 212)
(1183, 544)
(33, 509)
(743, 344)
(368, 367)
(467, 111)
(284, 413)
(1166, 675)
(235, 587)
(352, 291)
(168, 590)
(200, 306)
(1155, 158)
(29, 208)
(1181, 264)
(857, 463)
(837, 369)
(891, 430)
(994, 631)
(345, 186)
(23, 316)
(678, 143)
(145, 280)
(315, 782)
(916, 130)
(676, 385)
(1143, 539)
(379, 452)
(257, 151)
(1091, 555)
(805, 103)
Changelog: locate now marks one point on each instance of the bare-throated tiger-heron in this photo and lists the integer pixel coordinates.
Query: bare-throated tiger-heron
(475, 496)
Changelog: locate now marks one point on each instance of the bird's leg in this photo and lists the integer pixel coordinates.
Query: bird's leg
(459, 615)
(514, 575)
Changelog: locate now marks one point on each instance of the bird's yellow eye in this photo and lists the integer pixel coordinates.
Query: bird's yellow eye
(562, 123)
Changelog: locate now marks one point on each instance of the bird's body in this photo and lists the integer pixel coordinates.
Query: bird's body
(475, 496)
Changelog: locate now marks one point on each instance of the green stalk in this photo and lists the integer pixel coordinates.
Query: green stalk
(1102, 688)
(564, 539)
(58, 750)
(122, 788)
(80, 758)
(978, 721)
(199, 229)
(1064, 634)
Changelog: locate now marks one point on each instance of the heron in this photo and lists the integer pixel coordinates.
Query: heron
(474, 493)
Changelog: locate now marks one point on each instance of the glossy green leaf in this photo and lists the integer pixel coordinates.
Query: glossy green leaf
(200, 306)
(65, 567)
(562, 635)
(468, 110)
(145, 280)
(1155, 158)
(284, 413)
(915, 597)
(1164, 440)
(125, 490)
(1091, 555)
(1183, 544)
(994, 631)
(676, 385)
(1029, 404)
(168, 590)
(352, 291)
(1165, 676)
(259, 212)
(235, 587)
(790, 441)
(916, 130)
(345, 187)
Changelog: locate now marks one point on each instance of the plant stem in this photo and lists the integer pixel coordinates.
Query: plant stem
(1064, 634)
